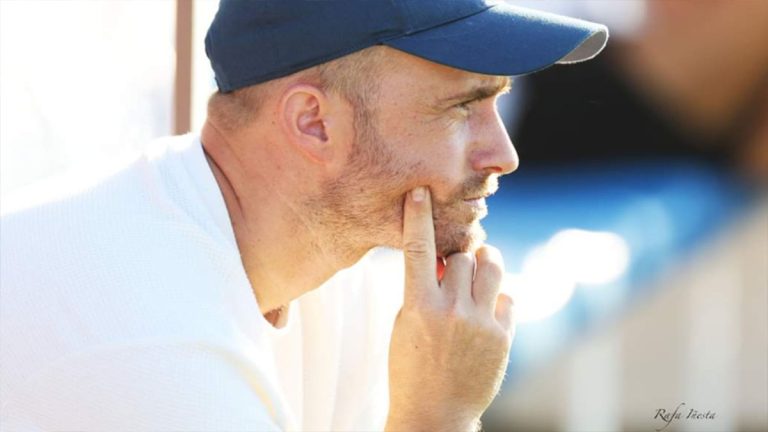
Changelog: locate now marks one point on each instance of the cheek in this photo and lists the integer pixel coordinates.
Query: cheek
(449, 152)
(435, 156)
(435, 171)
(447, 171)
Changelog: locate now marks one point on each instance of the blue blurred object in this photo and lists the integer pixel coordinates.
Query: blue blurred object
(661, 209)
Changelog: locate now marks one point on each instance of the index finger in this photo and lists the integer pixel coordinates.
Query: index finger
(419, 243)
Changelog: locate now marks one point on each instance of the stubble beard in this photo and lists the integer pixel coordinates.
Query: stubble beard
(363, 208)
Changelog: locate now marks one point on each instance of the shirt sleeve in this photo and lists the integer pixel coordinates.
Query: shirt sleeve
(155, 387)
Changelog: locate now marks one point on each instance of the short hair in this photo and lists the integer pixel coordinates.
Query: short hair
(352, 76)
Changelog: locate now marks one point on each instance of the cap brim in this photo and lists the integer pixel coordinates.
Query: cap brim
(506, 40)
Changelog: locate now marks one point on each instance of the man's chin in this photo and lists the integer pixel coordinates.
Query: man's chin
(459, 239)
(453, 239)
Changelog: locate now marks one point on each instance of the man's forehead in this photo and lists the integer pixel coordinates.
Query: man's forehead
(441, 78)
(473, 87)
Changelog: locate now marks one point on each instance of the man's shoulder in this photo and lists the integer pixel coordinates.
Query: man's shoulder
(113, 179)
(120, 198)
(119, 244)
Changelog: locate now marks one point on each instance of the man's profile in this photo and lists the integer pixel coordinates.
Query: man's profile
(224, 282)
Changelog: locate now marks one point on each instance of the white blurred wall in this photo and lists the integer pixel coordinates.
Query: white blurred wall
(81, 81)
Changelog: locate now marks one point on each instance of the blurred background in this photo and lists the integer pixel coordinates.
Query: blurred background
(635, 232)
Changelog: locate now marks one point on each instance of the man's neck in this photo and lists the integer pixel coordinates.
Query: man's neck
(280, 251)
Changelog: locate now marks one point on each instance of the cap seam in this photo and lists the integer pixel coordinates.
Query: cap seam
(412, 32)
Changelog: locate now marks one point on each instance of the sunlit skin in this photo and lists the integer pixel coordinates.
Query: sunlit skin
(308, 193)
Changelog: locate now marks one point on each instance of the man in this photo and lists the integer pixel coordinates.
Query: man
(202, 287)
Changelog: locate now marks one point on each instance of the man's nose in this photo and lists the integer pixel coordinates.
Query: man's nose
(494, 153)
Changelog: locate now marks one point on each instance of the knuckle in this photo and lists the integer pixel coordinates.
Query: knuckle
(460, 259)
(489, 253)
(416, 248)
(490, 335)
(491, 269)
(490, 249)
(507, 298)
(454, 312)
(500, 336)
(449, 310)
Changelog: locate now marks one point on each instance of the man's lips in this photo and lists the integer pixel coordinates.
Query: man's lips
(478, 200)
(481, 195)
(477, 203)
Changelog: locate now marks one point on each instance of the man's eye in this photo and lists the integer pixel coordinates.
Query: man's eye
(464, 106)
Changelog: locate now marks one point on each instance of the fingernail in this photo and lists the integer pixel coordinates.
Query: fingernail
(418, 194)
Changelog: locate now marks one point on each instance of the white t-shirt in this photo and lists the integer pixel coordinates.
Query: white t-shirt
(124, 306)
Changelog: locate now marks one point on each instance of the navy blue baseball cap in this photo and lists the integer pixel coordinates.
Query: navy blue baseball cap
(252, 41)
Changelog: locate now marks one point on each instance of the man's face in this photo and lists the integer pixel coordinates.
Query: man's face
(432, 126)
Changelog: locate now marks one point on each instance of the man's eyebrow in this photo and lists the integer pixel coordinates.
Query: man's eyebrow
(482, 91)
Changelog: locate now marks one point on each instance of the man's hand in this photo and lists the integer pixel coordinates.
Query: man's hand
(451, 339)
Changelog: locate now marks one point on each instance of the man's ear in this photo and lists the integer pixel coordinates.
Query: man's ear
(305, 117)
